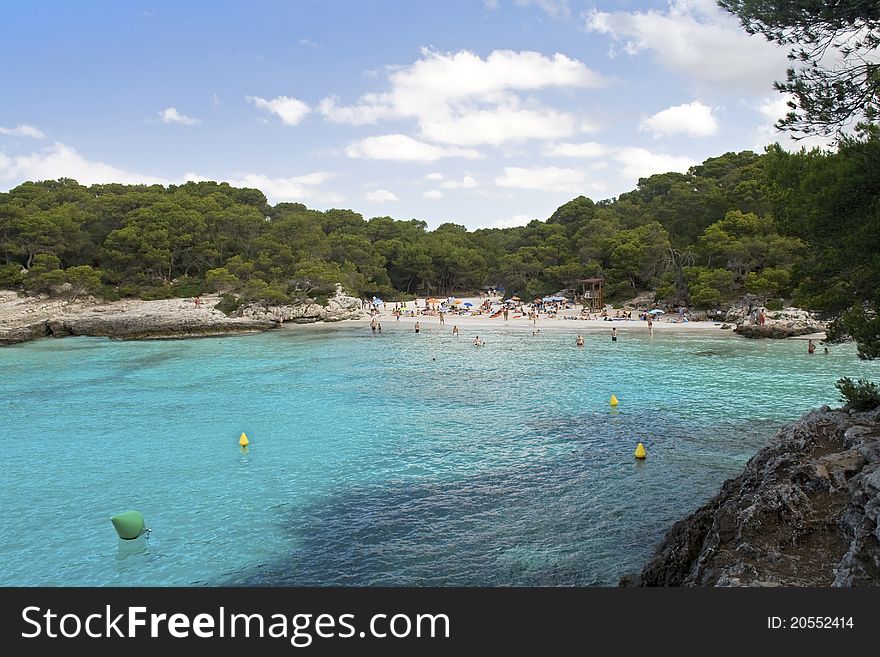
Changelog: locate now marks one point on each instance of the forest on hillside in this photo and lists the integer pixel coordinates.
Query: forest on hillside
(799, 226)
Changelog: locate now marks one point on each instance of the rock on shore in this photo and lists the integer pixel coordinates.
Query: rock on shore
(804, 512)
(29, 318)
(339, 307)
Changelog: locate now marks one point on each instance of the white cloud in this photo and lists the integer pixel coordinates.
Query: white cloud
(641, 163)
(369, 110)
(774, 109)
(698, 39)
(499, 124)
(296, 188)
(512, 222)
(692, 119)
(585, 149)
(462, 99)
(434, 176)
(433, 194)
(555, 8)
(401, 147)
(552, 179)
(22, 130)
(310, 43)
(171, 115)
(381, 196)
(290, 110)
(491, 4)
(468, 182)
(60, 161)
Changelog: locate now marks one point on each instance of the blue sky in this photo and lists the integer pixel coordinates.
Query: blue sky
(485, 113)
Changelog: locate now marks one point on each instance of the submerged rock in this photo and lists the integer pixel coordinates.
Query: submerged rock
(804, 512)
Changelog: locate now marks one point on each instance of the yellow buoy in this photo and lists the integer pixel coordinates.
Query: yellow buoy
(243, 441)
(640, 451)
(614, 401)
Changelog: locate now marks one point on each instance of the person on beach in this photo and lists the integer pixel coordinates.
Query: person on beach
(580, 341)
(614, 334)
(455, 332)
(418, 327)
(811, 348)
(198, 302)
(650, 326)
(442, 321)
(762, 317)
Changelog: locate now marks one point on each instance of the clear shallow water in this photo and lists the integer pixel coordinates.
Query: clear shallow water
(371, 463)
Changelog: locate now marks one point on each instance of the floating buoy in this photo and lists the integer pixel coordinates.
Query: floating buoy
(129, 525)
(640, 451)
(243, 441)
(614, 401)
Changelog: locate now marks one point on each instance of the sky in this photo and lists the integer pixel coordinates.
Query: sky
(486, 113)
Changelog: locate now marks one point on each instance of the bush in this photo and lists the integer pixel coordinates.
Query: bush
(775, 304)
(229, 303)
(156, 293)
(861, 395)
(10, 276)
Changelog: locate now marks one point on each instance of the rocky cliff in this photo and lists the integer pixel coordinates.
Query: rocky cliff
(804, 512)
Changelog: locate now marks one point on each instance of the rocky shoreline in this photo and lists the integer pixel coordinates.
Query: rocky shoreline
(804, 512)
(29, 318)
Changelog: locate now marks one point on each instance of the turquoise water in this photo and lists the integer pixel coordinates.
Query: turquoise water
(370, 462)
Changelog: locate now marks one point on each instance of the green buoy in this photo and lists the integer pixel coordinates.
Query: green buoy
(129, 525)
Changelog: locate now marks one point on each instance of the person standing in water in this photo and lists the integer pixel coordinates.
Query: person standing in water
(811, 348)
(455, 332)
(442, 321)
(614, 334)
(373, 324)
(378, 327)
(650, 326)
(580, 341)
(418, 327)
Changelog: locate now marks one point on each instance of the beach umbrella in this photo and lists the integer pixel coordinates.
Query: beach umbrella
(468, 304)
(515, 299)
(431, 300)
(656, 311)
(456, 302)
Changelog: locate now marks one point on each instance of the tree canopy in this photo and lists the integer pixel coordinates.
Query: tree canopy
(834, 77)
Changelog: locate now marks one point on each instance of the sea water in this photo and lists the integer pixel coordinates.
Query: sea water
(388, 459)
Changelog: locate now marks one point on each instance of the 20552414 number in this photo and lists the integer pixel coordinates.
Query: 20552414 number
(820, 622)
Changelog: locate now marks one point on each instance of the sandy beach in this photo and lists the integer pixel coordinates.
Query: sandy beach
(568, 320)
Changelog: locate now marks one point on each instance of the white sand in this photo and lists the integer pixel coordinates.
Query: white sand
(467, 323)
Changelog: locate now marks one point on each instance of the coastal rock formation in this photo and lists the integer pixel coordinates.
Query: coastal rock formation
(779, 329)
(28, 318)
(804, 512)
(339, 307)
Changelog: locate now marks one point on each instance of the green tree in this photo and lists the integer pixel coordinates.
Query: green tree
(835, 74)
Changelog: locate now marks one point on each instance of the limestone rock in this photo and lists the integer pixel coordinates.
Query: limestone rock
(804, 512)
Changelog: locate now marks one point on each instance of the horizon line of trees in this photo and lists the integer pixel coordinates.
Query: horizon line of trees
(801, 226)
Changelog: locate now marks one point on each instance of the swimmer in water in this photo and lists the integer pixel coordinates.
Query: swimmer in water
(614, 334)
(580, 341)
